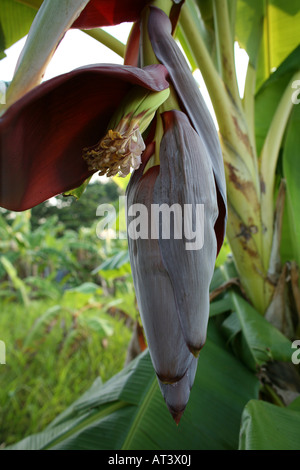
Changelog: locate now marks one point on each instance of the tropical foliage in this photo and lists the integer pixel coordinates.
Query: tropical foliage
(242, 390)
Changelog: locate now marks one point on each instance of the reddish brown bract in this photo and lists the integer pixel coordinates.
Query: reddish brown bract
(43, 134)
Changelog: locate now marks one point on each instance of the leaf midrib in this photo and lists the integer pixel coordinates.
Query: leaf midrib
(86, 422)
(144, 403)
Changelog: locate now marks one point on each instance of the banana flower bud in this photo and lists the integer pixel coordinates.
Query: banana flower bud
(171, 277)
(171, 274)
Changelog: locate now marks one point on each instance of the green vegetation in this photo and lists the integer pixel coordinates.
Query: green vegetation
(54, 353)
(60, 315)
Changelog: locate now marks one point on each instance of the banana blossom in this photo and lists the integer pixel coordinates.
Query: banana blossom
(171, 279)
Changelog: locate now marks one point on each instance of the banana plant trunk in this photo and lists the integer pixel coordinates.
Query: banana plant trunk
(254, 214)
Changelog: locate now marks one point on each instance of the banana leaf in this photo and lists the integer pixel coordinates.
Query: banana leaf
(128, 411)
(270, 93)
(290, 248)
(269, 427)
(15, 21)
(253, 339)
(268, 31)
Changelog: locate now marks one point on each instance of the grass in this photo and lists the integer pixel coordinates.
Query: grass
(54, 352)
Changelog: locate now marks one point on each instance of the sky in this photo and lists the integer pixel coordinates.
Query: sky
(78, 49)
(75, 50)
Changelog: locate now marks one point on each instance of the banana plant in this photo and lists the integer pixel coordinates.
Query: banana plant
(255, 204)
(248, 172)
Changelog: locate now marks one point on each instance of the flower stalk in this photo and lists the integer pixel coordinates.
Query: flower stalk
(107, 40)
(225, 48)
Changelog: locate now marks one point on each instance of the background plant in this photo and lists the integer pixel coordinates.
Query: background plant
(67, 308)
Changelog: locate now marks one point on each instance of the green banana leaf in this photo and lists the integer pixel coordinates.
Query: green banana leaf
(269, 427)
(290, 248)
(128, 411)
(249, 27)
(15, 21)
(268, 97)
(260, 341)
(280, 35)
(253, 339)
(16, 281)
(268, 31)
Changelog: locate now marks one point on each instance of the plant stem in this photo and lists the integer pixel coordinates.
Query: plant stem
(244, 229)
(211, 77)
(275, 398)
(107, 39)
(231, 5)
(229, 114)
(148, 57)
(249, 103)
(164, 5)
(268, 161)
(266, 41)
(225, 48)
